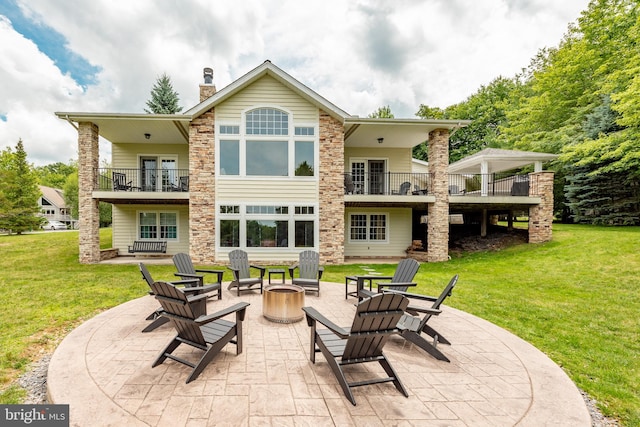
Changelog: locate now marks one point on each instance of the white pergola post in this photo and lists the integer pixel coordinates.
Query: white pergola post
(484, 176)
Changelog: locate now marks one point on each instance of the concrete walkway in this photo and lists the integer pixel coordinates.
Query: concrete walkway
(103, 371)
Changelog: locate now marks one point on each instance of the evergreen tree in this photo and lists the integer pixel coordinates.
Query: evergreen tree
(164, 100)
(19, 193)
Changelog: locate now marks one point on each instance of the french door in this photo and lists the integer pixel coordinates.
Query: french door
(368, 176)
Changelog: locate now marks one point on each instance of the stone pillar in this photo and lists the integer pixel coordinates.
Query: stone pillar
(202, 213)
(541, 216)
(331, 190)
(438, 223)
(88, 212)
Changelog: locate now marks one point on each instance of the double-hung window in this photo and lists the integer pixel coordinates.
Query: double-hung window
(365, 227)
(158, 225)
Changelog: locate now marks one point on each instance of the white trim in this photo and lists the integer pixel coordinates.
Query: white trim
(368, 227)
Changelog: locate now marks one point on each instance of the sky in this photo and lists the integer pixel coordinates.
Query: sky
(106, 55)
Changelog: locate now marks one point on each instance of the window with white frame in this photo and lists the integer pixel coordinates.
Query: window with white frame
(158, 225)
(267, 226)
(365, 227)
(267, 147)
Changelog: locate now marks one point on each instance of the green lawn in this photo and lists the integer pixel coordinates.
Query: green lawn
(576, 298)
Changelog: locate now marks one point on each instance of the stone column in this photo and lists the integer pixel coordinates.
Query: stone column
(331, 190)
(202, 213)
(541, 216)
(438, 223)
(88, 212)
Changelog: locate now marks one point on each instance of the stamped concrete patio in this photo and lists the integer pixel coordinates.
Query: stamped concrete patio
(103, 371)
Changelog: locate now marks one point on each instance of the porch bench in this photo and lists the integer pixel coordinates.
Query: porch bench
(148, 246)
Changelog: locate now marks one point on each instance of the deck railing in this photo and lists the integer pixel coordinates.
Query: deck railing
(387, 183)
(495, 184)
(146, 180)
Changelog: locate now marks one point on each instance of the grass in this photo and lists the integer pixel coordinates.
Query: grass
(576, 298)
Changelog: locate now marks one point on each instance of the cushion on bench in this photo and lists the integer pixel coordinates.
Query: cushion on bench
(148, 246)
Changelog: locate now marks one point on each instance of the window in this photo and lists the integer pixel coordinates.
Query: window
(267, 121)
(368, 227)
(229, 157)
(229, 233)
(304, 131)
(267, 226)
(304, 158)
(229, 130)
(158, 225)
(267, 158)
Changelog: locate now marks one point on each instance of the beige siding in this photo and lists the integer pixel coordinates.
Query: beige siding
(267, 92)
(398, 234)
(285, 191)
(125, 226)
(127, 155)
(398, 159)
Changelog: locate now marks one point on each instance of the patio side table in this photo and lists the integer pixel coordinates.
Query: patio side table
(276, 271)
(360, 279)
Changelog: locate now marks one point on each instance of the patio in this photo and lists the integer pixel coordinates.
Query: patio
(103, 371)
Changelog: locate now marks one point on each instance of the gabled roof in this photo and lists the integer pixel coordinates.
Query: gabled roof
(53, 196)
(268, 69)
(498, 160)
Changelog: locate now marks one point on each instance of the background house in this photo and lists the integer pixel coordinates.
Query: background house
(53, 206)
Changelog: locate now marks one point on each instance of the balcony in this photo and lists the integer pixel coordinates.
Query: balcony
(387, 183)
(493, 185)
(142, 180)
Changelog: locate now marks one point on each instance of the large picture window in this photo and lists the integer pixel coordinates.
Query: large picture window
(158, 225)
(368, 227)
(267, 158)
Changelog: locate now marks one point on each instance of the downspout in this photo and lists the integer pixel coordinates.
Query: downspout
(66, 117)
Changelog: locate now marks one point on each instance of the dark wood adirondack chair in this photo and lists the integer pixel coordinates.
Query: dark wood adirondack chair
(310, 271)
(120, 182)
(190, 287)
(411, 325)
(374, 321)
(186, 270)
(242, 280)
(401, 280)
(209, 333)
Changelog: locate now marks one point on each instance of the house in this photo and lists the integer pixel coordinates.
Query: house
(270, 166)
(53, 206)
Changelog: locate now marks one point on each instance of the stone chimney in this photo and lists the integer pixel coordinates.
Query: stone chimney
(207, 89)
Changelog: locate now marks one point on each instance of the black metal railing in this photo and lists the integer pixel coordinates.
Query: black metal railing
(147, 180)
(494, 184)
(387, 183)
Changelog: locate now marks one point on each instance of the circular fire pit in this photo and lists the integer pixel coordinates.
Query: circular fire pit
(283, 303)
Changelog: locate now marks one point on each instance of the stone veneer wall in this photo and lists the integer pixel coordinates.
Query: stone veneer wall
(438, 222)
(202, 216)
(541, 216)
(331, 189)
(207, 91)
(89, 214)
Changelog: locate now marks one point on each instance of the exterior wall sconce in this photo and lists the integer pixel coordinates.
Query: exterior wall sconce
(147, 135)
(380, 140)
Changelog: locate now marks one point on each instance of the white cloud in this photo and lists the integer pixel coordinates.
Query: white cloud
(360, 55)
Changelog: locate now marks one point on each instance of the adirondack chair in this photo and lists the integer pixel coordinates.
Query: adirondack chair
(310, 271)
(374, 321)
(120, 182)
(209, 333)
(401, 280)
(186, 270)
(191, 288)
(242, 280)
(411, 325)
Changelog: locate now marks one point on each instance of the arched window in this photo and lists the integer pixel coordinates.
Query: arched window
(267, 121)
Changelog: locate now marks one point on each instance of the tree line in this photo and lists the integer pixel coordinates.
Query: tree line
(580, 100)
